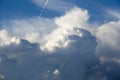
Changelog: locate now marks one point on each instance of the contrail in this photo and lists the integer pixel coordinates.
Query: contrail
(44, 7)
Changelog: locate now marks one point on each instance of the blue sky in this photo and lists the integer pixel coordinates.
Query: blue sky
(15, 9)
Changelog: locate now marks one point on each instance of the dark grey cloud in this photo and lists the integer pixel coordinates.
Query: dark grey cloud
(77, 61)
(27, 62)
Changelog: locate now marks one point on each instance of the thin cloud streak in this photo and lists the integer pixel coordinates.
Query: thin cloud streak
(54, 5)
(44, 7)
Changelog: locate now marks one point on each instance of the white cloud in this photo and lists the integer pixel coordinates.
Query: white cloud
(68, 24)
(114, 13)
(4, 35)
(6, 39)
(33, 37)
(108, 36)
(55, 5)
(56, 72)
(74, 18)
(32, 29)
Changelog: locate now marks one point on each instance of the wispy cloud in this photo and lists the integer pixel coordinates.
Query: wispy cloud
(55, 5)
(114, 13)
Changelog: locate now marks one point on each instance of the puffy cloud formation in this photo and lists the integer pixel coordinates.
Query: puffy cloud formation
(6, 39)
(67, 25)
(67, 21)
(32, 29)
(67, 52)
(108, 36)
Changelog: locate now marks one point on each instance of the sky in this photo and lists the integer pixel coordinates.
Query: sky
(19, 9)
(59, 40)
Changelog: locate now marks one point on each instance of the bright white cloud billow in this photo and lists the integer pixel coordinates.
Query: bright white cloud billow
(7, 39)
(62, 48)
(75, 18)
(67, 25)
(109, 40)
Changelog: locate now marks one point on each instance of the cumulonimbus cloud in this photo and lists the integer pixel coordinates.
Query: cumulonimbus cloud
(67, 51)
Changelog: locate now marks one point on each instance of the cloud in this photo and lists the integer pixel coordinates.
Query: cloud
(54, 5)
(7, 39)
(67, 25)
(31, 29)
(56, 72)
(2, 77)
(16, 56)
(27, 61)
(70, 46)
(108, 39)
(114, 13)
(67, 48)
(80, 18)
